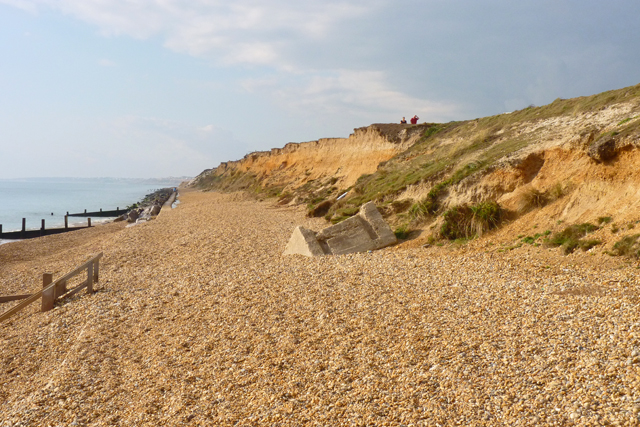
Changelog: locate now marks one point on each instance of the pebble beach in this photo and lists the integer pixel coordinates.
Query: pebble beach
(199, 320)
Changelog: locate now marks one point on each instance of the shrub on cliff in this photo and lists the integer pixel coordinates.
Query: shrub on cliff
(321, 209)
(628, 246)
(463, 222)
(572, 238)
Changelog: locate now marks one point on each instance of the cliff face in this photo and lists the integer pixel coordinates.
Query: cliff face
(571, 161)
(562, 157)
(339, 160)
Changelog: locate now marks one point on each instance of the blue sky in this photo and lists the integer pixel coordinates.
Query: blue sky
(155, 88)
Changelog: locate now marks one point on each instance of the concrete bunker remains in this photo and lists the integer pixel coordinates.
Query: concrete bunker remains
(365, 231)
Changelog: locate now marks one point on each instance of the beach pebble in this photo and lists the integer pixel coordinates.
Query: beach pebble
(199, 320)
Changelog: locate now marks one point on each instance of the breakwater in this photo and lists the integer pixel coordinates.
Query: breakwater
(101, 213)
(42, 231)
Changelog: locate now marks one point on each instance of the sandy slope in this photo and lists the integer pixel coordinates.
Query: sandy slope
(199, 320)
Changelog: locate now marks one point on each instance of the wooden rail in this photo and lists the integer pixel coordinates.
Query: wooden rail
(51, 290)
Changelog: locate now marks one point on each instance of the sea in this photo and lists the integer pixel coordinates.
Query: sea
(50, 199)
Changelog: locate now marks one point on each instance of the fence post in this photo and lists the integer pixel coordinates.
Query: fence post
(60, 289)
(96, 270)
(48, 297)
(90, 278)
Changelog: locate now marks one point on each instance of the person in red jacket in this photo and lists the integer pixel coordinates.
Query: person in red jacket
(414, 120)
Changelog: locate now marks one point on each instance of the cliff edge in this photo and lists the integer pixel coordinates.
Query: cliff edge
(573, 161)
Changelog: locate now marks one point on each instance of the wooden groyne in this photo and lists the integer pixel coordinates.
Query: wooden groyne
(43, 231)
(100, 213)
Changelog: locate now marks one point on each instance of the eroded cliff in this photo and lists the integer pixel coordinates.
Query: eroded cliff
(338, 160)
(572, 161)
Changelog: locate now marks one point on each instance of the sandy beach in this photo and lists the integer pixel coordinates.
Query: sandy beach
(199, 320)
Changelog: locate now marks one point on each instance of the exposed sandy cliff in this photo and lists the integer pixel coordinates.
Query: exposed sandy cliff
(343, 160)
(571, 161)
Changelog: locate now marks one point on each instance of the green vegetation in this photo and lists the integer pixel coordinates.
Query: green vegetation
(402, 232)
(532, 240)
(423, 209)
(470, 221)
(534, 199)
(572, 237)
(604, 220)
(627, 120)
(320, 209)
(627, 246)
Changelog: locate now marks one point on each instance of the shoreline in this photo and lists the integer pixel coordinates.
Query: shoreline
(159, 196)
(36, 200)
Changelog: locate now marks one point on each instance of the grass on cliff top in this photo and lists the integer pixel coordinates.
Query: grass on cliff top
(479, 144)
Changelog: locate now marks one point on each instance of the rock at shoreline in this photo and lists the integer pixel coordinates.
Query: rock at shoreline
(149, 207)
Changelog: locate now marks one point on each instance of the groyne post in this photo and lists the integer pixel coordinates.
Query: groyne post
(24, 227)
(42, 228)
(66, 221)
(88, 222)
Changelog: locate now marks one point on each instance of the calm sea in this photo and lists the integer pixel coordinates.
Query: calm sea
(51, 198)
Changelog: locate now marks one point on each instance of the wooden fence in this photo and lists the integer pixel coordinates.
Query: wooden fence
(51, 290)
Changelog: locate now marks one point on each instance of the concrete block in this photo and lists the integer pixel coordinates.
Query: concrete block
(303, 241)
(363, 232)
(384, 234)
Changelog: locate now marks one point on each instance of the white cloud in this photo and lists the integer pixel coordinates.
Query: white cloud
(282, 36)
(348, 92)
(239, 32)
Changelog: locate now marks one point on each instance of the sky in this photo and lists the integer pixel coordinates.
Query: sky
(158, 88)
